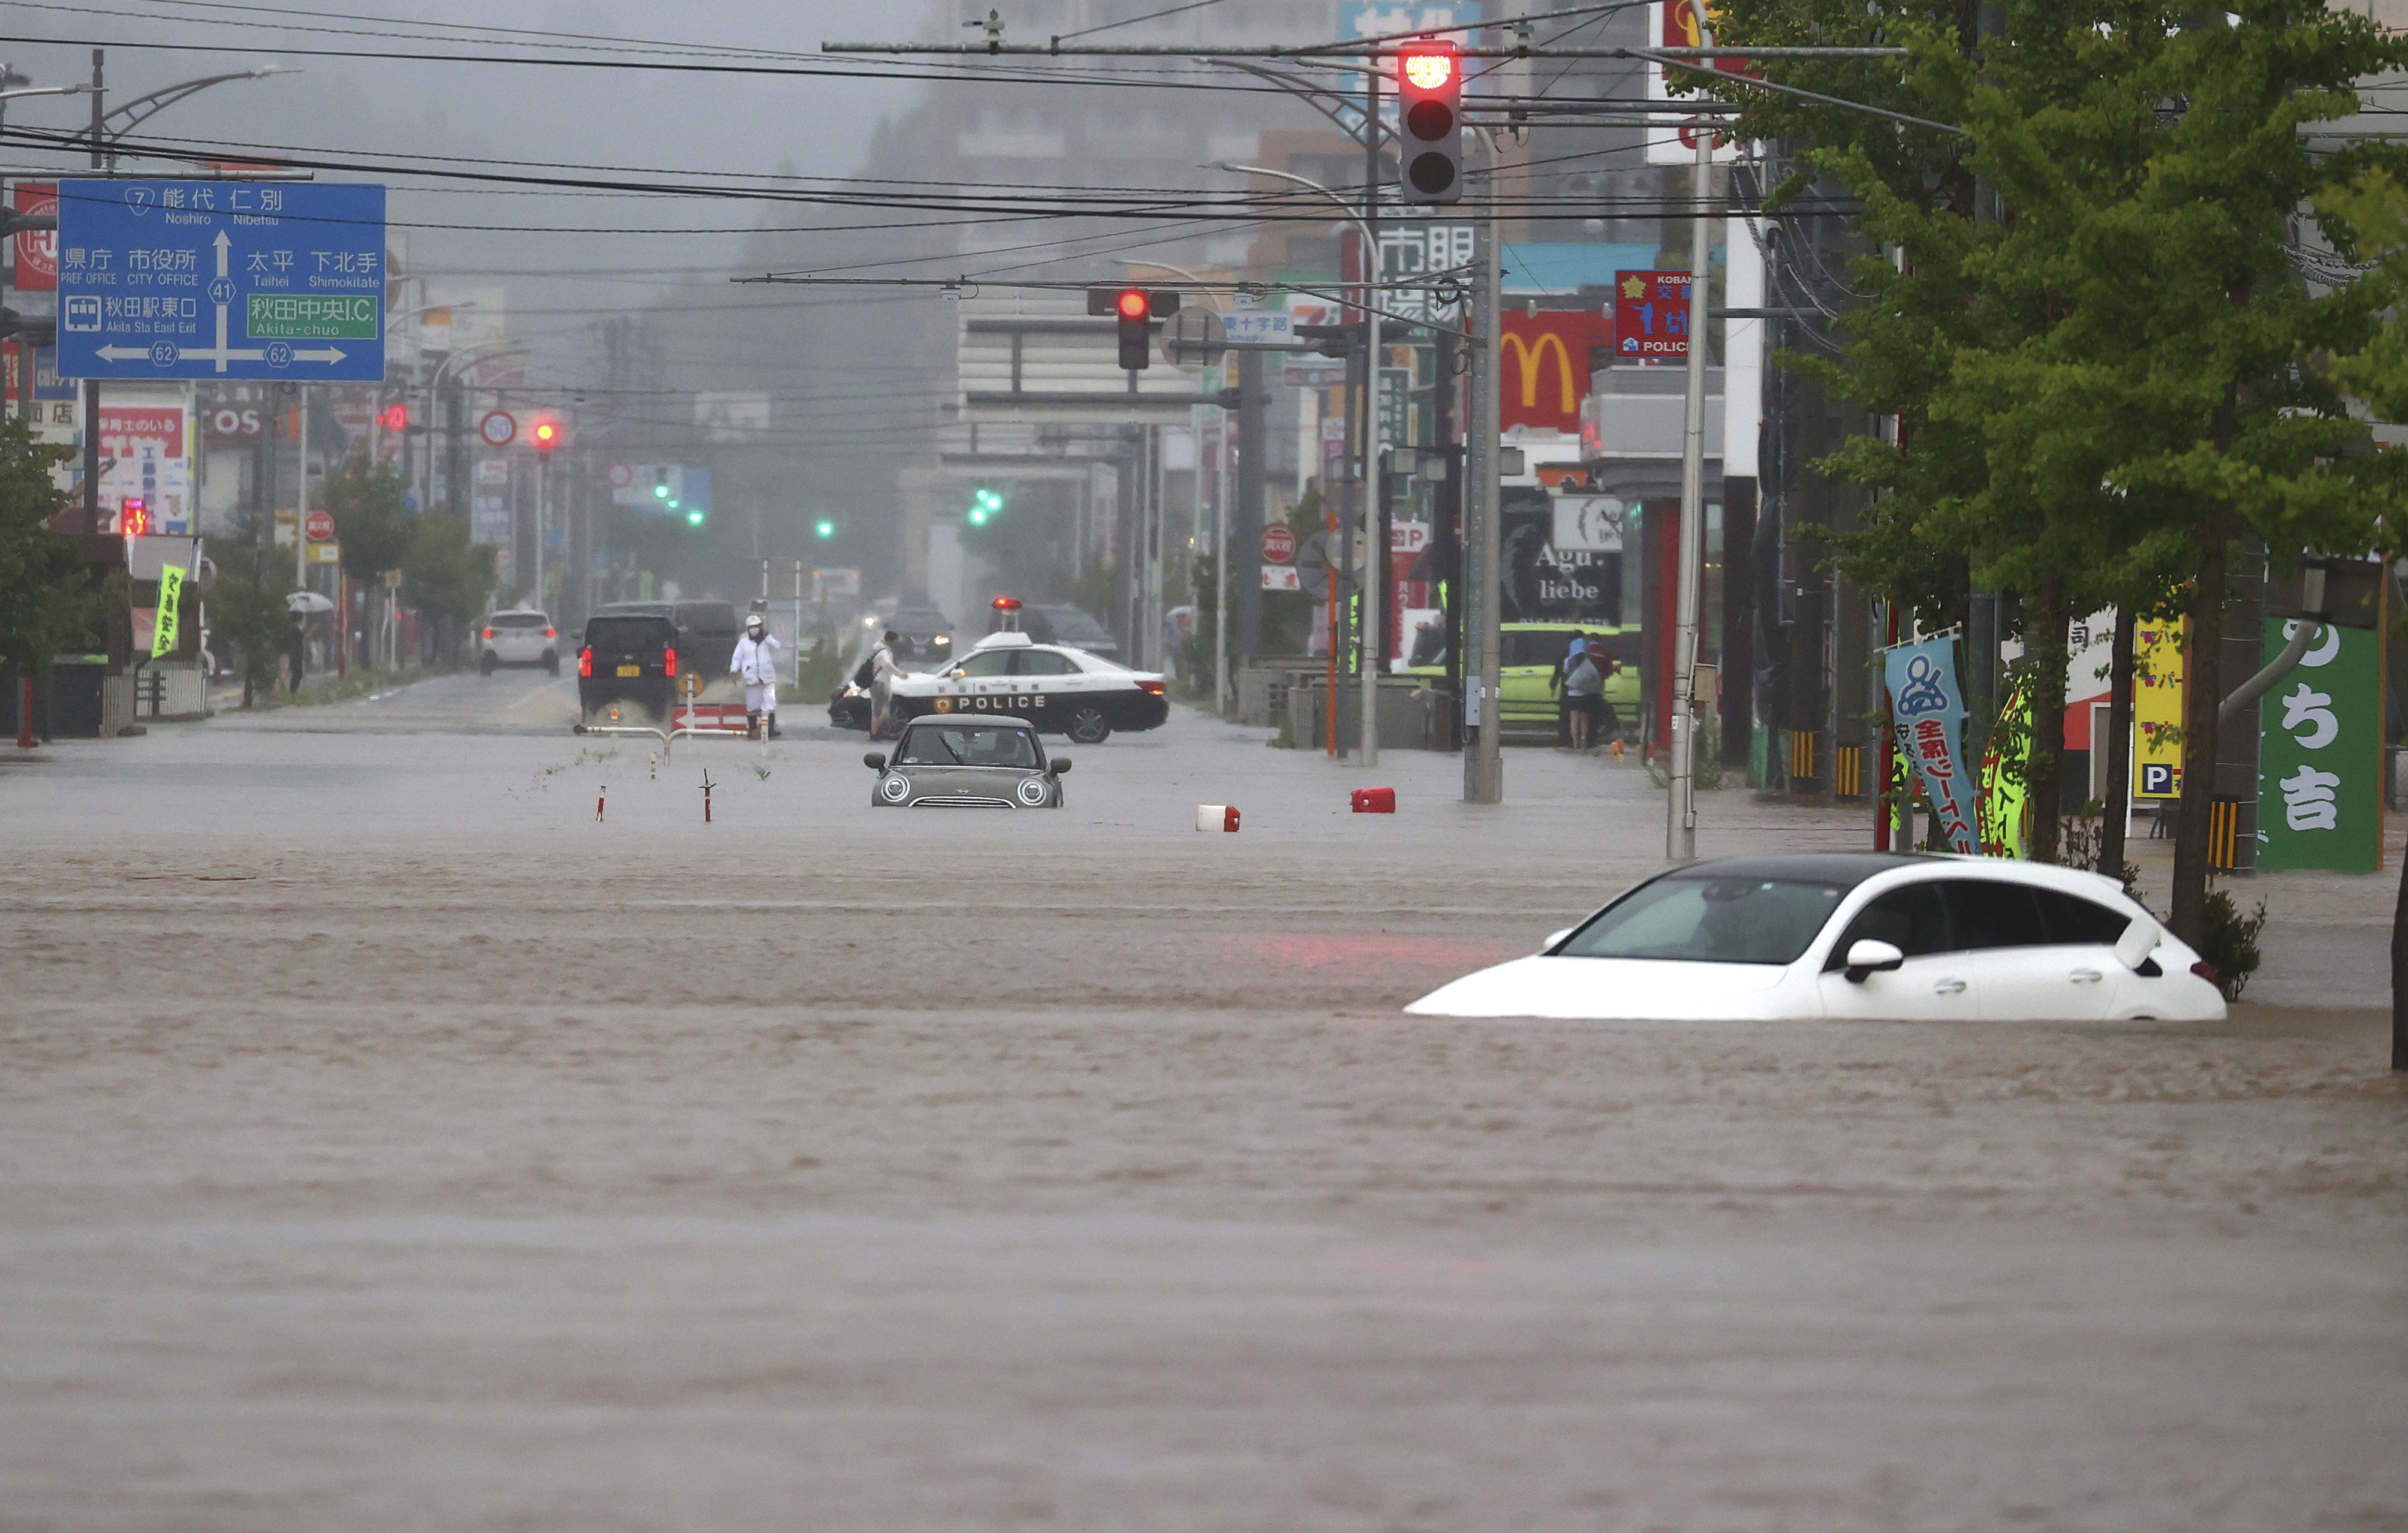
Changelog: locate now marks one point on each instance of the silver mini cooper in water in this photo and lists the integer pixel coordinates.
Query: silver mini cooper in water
(975, 764)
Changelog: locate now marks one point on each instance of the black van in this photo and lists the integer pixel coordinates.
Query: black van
(707, 631)
(630, 658)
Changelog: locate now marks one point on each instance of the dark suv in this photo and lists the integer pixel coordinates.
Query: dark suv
(1069, 626)
(627, 658)
(707, 631)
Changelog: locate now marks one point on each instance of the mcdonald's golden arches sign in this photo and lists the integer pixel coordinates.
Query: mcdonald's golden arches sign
(1544, 364)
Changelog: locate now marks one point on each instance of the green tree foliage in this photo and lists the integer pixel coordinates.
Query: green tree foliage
(248, 610)
(46, 595)
(370, 504)
(2106, 385)
(448, 577)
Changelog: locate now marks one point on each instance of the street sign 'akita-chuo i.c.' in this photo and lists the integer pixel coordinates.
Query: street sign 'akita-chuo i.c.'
(222, 279)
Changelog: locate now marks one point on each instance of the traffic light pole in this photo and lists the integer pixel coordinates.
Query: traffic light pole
(1681, 799)
(1483, 761)
(1369, 633)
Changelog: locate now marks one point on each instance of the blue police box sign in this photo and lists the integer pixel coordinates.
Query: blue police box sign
(224, 279)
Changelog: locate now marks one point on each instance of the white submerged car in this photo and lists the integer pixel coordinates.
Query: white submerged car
(1854, 935)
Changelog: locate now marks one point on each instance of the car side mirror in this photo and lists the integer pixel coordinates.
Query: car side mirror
(875, 761)
(1554, 937)
(1059, 764)
(2139, 939)
(1866, 955)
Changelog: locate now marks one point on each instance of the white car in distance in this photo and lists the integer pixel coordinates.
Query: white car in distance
(518, 637)
(1854, 935)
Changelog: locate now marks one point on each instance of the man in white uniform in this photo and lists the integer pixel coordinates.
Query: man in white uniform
(757, 661)
(884, 670)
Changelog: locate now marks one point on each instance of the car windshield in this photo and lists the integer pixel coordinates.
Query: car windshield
(629, 635)
(967, 745)
(1710, 920)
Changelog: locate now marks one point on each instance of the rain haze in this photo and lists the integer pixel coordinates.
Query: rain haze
(1576, 945)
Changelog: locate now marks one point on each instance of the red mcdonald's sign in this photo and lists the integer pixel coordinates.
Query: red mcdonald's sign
(1543, 366)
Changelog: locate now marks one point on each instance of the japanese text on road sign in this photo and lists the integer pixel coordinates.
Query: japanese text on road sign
(221, 279)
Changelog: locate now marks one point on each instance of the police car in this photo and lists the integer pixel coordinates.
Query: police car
(1060, 689)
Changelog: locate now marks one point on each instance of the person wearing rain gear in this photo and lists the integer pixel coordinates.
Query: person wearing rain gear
(756, 660)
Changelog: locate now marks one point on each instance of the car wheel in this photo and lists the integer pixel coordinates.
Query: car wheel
(485, 663)
(552, 663)
(1088, 726)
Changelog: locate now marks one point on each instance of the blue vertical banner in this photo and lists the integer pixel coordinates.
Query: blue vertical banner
(1927, 709)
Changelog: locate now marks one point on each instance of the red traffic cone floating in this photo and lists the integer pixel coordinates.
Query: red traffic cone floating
(1216, 816)
(1375, 800)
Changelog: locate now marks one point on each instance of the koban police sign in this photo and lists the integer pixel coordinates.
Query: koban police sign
(221, 279)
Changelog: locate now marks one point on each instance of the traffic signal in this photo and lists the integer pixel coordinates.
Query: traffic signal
(694, 517)
(1429, 98)
(394, 417)
(1136, 308)
(984, 504)
(544, 431)
(133, 516)
(826, 528)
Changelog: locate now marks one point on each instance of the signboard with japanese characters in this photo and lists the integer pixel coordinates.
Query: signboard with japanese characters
(2157, 708)
(221, 279)
(1929, 714)
(1650, 316)
(2320, 755)
(145, 453)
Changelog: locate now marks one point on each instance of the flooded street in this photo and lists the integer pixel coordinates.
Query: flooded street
(392, 1144)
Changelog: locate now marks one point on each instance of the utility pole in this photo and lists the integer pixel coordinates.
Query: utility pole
(1369, 633)
(301, 472)
(1484, 762)
(1681, 799)
(92, 385)
(1246, 536)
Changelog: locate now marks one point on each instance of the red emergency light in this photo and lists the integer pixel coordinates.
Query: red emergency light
(1006, 604)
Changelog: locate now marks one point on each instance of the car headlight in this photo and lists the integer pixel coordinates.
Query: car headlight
(1032, 792)
(893, 787)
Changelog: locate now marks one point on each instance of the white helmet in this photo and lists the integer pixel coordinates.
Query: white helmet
(757, 621)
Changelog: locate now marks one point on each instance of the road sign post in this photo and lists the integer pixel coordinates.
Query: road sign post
(221, 279)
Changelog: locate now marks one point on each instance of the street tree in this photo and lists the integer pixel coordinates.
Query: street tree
(2122, 374)
(449, 577)
(46, 594)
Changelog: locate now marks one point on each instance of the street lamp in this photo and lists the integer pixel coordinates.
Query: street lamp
(1370, 642)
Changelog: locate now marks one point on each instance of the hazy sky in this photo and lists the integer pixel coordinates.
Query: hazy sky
(586, 116)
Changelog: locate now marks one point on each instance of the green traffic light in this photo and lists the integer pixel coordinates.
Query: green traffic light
(660, 492)
(693, 518)
(827, 529)
(978, 516)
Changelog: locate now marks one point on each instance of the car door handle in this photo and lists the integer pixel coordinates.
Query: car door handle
(1949, 987)
(2085, 976)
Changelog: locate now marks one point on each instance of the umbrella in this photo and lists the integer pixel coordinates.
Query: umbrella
(307, 601)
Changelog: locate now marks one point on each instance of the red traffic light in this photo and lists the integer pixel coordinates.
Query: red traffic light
(1133, 302)
(1426, 68)
(396, 417)
(544, 433)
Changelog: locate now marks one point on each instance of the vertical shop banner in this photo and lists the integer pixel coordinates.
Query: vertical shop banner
(1927, 709)
(2157, 708)
(171, 598)
(2320, 755)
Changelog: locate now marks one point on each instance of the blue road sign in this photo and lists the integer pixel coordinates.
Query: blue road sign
(222, 279)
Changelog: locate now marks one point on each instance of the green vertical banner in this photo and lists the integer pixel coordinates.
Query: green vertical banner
(2320, 755)
(171, 605)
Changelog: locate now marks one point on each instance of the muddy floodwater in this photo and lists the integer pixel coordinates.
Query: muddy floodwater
(387, 1143)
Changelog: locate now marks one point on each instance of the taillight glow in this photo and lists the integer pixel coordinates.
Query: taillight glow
(551, 633)
(1152, 687)
(669, 663)
(2206, 970)
(585, 662)
(489, 633)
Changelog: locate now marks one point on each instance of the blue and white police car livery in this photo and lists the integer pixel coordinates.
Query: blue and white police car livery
(1060, 689)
